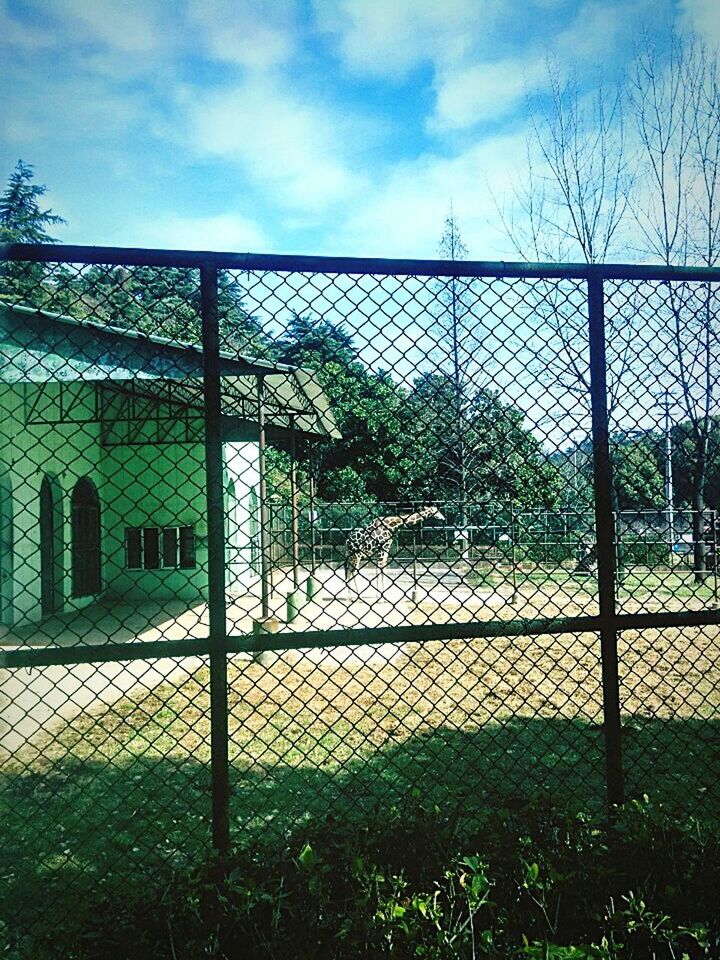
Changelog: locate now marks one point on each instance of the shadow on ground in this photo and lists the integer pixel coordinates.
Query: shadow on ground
(131, 820)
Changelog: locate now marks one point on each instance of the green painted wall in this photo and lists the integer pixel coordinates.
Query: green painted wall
(143, 485)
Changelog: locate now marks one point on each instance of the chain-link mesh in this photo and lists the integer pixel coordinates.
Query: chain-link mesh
(670, 696)
(665, 428)
(388, 557)
(471, 724)
(105, 781)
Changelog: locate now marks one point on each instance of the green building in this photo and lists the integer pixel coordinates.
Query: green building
(102, 462)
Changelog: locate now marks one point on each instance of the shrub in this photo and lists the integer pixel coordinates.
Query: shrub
(533, 881)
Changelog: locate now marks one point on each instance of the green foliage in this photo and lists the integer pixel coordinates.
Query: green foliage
(638, 476)
(503, 460)
(22, 220)
(162, 302)
(344, 484)
(639, 551)
(402, 444)
(535, 881)
(684, 446)
(368, 407)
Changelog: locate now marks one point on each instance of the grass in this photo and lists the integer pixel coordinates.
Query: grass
(646, 588)
(122, 796)
(680, 585)
(534, 879)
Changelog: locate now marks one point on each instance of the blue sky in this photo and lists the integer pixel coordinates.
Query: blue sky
(295, 126)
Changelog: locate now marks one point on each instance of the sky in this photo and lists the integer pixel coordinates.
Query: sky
(336, 127)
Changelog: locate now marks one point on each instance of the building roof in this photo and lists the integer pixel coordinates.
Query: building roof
(37, 346)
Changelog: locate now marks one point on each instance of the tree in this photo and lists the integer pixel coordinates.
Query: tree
(574, 206)
(368, 461)
(159, 301)
(684, 457)
(459, 346)
(675, 104)
(22, 220)
(504, 460)
(574, 203)
(638, 475)
(575, 469)
(592, 190)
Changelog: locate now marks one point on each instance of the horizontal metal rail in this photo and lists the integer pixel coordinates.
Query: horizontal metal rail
(368, 636)
(136, 256)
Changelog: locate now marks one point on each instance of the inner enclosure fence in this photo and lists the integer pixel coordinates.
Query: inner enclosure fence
(288, 536)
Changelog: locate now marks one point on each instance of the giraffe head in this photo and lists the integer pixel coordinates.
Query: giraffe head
(431, 512)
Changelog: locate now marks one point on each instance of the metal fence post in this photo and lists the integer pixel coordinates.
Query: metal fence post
(265, 546)
(716, 560)
(604, 525)
(294, 518)
(216, 561)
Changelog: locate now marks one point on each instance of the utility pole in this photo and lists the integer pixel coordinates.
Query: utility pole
(669, 492)
(575, 472)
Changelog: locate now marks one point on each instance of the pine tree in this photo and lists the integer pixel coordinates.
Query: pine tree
(22, 220)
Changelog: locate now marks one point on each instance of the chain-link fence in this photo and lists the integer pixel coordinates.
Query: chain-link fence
(499, 540)
(282, 536)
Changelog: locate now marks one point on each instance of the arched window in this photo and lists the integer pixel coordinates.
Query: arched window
(86, 563)
(231, 519)
(6, 553)
(51, 546)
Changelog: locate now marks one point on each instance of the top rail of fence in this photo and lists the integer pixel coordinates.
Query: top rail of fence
(138, 256)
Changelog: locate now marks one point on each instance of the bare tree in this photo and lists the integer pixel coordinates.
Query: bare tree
(675, 107)
(452, 307)
(573, 206)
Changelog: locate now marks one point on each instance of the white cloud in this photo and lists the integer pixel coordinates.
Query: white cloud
(598, 30)
(82, 113)
(388, 39)
(483, 91)
(300, 151)
(18, 36)
(404, 215)
(132, 26)
(478, 74)
(251, 33)
(223, 232)
(104, 38)
(70, 111)
(703, 16)
(487, 89)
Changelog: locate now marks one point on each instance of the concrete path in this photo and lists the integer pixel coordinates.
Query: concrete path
(34, 701)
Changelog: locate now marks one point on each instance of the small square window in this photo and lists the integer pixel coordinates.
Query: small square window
(170, 547)
(187, 548)
(133, 548)
(151, 548)
(154, 548)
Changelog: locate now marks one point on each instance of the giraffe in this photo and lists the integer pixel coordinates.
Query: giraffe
(376, 538)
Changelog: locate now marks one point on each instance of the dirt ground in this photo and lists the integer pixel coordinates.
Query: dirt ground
(668, 673)
(301, 709)
(383, 692)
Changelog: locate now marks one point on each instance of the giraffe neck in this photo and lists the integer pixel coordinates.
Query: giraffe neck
(392, 523)
(418, 517)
